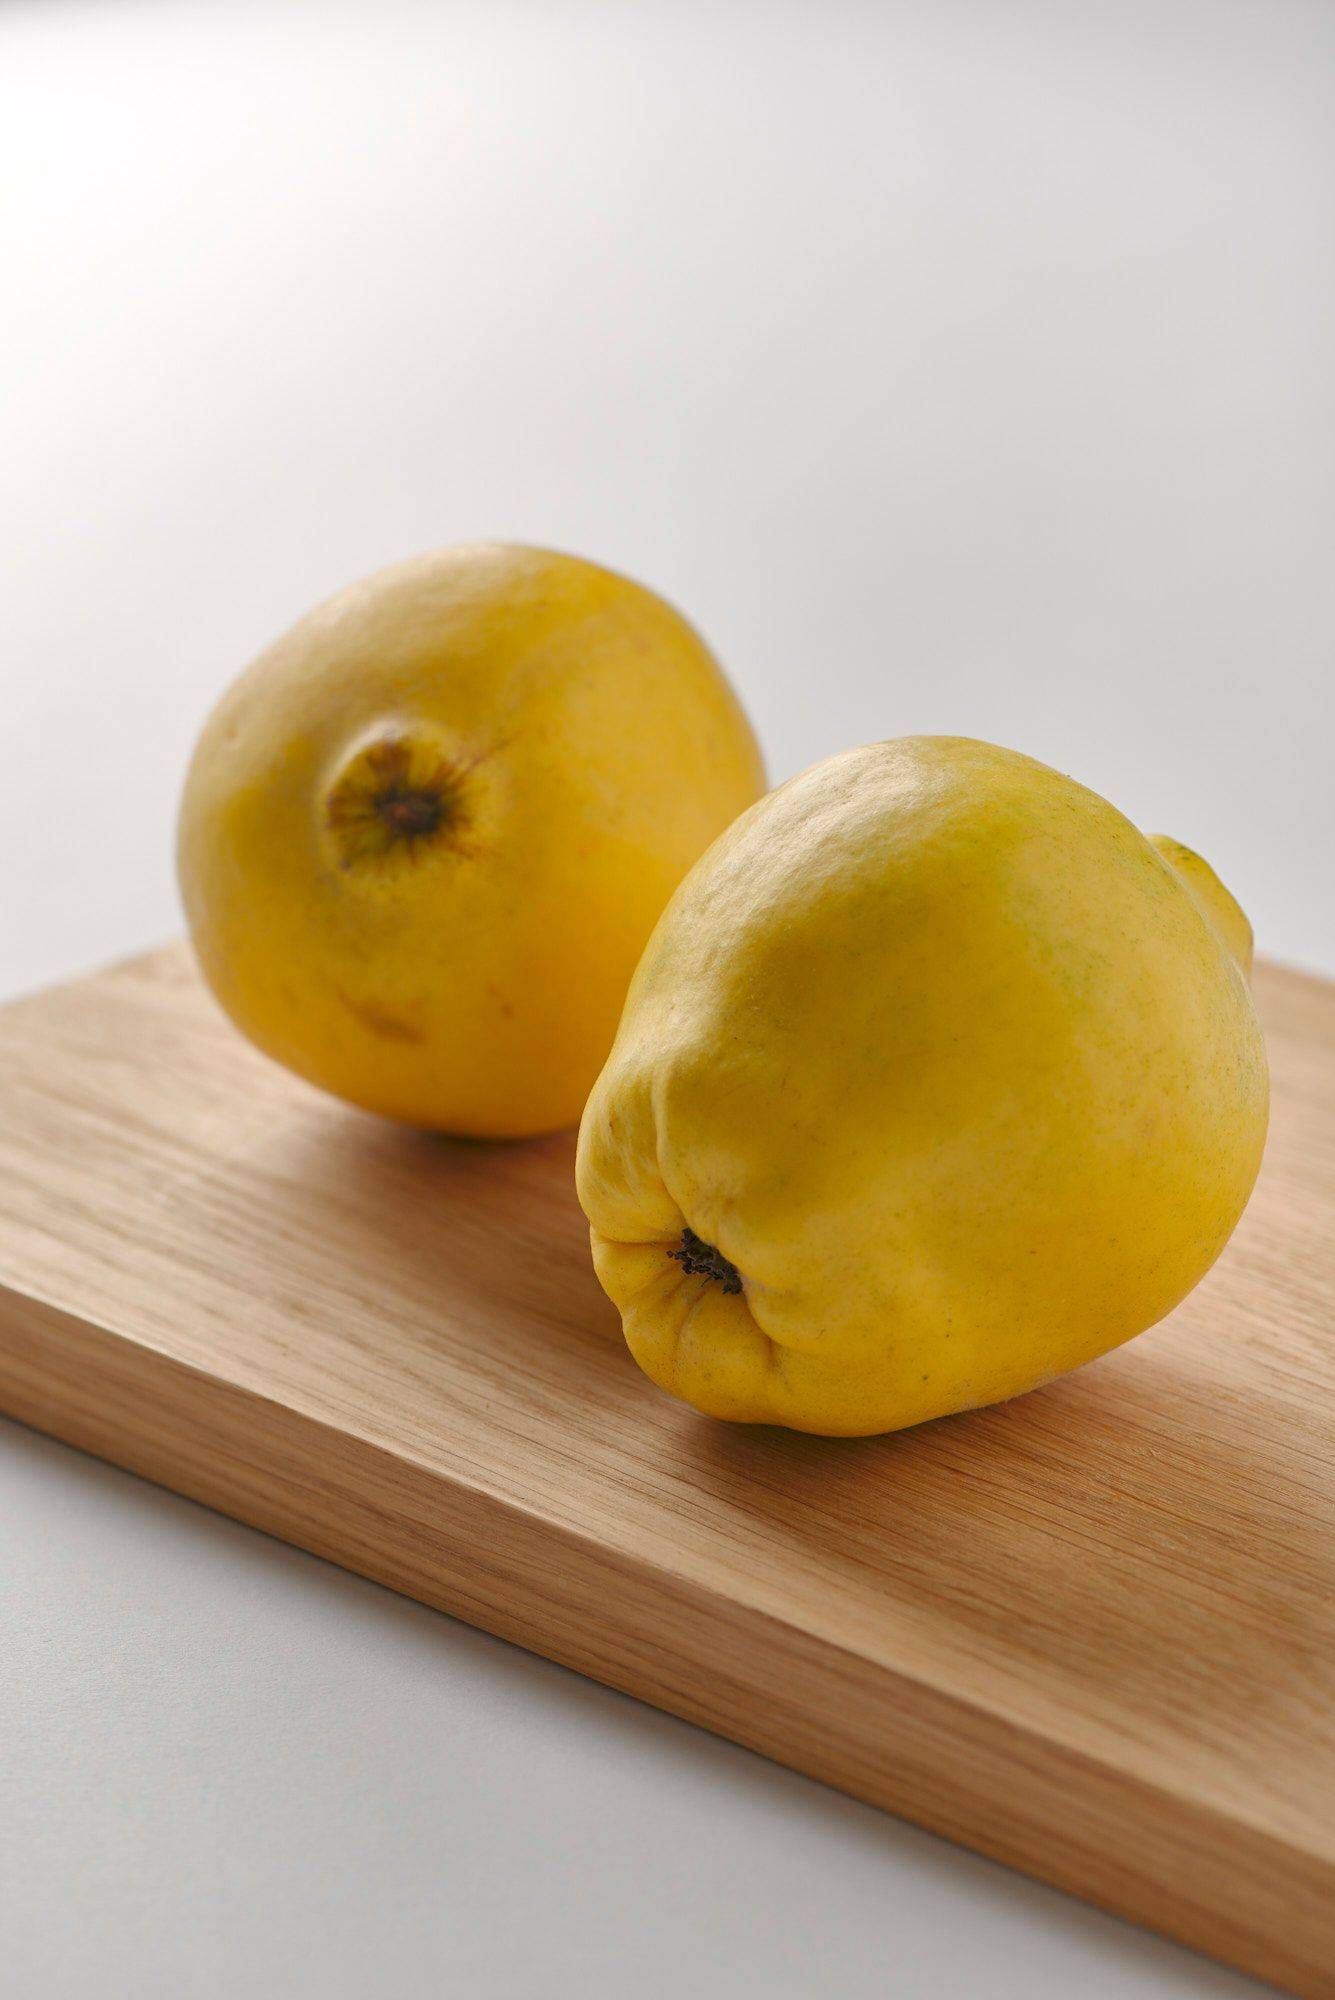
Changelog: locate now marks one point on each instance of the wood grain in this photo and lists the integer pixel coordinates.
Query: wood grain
(1091, 1633)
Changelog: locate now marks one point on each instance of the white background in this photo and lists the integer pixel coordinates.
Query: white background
(956, 367)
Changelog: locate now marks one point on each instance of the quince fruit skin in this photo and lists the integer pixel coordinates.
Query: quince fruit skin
(425, 836)
(937, 1079)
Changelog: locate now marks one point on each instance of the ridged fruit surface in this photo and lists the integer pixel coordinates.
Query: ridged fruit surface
(937, 1079)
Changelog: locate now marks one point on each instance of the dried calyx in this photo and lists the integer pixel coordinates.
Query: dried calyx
(409, 812)
(701, 1259)
(393, 801)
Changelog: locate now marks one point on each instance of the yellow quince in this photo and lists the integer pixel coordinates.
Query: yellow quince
(425, 836)
(937, 1078)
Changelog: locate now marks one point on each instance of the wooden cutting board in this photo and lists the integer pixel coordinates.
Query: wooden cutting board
(1091, 1633)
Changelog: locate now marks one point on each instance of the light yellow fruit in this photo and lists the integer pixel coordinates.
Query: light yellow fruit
(936, 1079)
(425, 836)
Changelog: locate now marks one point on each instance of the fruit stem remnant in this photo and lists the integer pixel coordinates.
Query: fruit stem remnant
(701, 1259)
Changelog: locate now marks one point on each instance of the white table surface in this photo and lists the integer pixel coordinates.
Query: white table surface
(956, 367)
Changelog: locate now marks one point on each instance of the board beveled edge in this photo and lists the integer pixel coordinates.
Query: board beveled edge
(1209, 1881)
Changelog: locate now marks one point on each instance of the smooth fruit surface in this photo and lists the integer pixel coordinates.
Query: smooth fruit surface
(426, 835)
(937, 1079)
